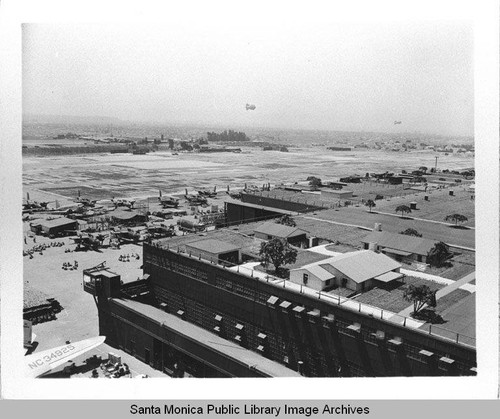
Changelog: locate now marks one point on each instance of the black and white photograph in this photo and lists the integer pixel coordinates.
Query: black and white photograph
(240, 198)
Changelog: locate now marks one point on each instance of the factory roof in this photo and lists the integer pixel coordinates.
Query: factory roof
(249, 205)
(400, 242)
(214, 246)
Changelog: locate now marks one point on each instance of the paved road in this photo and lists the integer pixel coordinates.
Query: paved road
(430, 230)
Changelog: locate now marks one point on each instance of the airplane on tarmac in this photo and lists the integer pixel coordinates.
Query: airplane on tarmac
(168, 201)
(208, 192)
(40, 363)
(89, 241)
(195, 199)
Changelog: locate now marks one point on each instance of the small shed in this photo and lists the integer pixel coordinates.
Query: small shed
(215, 250)
(57, 227)
(128, 217)
(272, 230)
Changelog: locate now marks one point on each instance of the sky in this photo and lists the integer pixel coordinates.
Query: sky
(327, 76)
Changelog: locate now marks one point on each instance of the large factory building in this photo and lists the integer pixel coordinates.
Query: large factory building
(208, 318)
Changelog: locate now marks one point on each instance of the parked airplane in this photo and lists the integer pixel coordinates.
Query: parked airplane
(195, 199)
(208, 192)
(89, 242)
(40, 363)
(168, 201)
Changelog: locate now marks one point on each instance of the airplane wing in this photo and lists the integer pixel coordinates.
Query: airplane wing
(42, 362)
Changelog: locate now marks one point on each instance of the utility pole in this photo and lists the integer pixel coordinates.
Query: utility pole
(436, 165)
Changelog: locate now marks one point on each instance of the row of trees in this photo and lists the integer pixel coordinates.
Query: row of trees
(226, 136)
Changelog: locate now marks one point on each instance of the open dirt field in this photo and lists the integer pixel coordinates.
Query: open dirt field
(78, 319)
(127, 175)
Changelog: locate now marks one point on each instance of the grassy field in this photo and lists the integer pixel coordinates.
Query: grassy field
(463, 263)
(391, 298)
(345, 235)
(439, 205)
(450, 299)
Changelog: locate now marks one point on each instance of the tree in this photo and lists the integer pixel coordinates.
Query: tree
(186, 146)
(315, 182)
(411, 232)
(286, 220)
(370, 204)
(420, 296)
(278, 252)
(423, 169)
(439, 254)
(403, 209)
(458, 218)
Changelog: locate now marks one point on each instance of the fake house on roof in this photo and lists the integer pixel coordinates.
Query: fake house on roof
(399, 246)
(272, 230)
(357, 271)
(215, 251)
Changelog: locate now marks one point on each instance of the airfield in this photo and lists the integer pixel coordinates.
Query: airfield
(102, 176)
(59, 179)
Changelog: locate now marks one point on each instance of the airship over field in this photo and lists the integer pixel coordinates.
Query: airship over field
(250, 107)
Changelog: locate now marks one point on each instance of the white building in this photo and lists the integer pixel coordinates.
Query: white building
(358, 271)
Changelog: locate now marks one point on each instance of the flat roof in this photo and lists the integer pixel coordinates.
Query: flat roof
(460, 318)
(249, 205)
(213, 246)
(58, 222)
(208, 339)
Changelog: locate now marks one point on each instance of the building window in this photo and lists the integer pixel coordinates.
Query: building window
(305, 278)
(327, 283)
